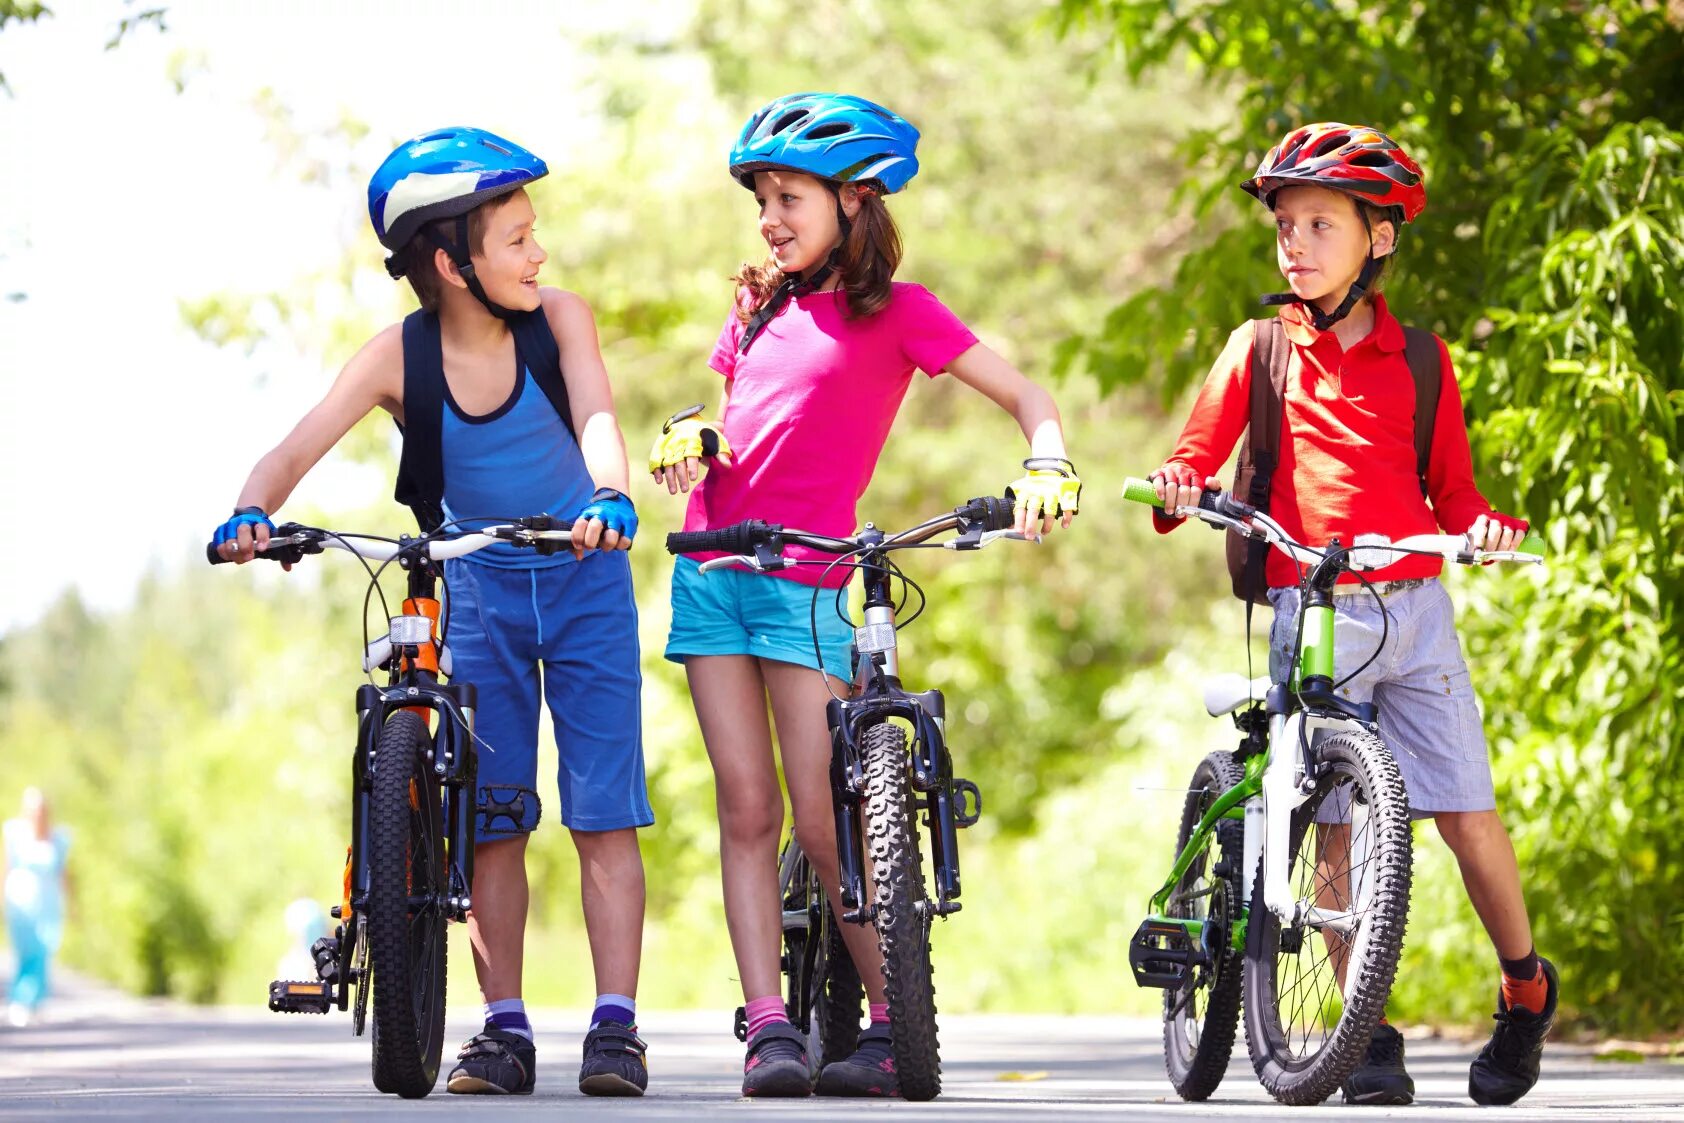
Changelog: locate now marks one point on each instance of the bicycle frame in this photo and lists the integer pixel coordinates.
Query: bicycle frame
(878, 697)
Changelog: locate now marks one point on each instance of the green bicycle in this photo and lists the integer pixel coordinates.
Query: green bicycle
(1290, 887)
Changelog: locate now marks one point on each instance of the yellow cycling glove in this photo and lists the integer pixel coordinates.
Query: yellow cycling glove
(687, 433)
(1050, 489)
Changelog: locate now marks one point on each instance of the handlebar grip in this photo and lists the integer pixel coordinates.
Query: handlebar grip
(212, 556)
(738, 539)
(992, 511)
(1141, 491)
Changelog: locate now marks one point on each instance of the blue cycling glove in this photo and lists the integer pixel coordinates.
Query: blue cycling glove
(615, 511)
(243, 516)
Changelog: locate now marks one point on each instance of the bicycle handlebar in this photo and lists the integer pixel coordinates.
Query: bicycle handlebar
(291, 541)
(1366, 552)
(988, 516)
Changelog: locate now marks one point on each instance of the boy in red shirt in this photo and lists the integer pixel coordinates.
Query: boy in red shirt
(1347, 465)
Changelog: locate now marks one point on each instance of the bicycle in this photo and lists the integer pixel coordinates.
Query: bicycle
(1243, 908)
(879, 778)
(414, 808)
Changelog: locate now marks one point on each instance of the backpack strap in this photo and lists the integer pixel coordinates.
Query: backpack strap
(420, 484)
(1269, 356)
(1421, 352)
(536, 346)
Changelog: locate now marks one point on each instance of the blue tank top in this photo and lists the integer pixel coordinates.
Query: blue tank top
(517, 460)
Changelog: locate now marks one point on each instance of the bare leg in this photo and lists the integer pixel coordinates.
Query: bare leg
(1333, 881)
(730, 700)
(497, 922)
(798, 702)
(1492, 876)
(611, 884)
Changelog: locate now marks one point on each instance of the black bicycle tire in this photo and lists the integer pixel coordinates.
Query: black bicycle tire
(409, 1017)
(891, 831)
(1372, 967)
(839, 998)
(1196, 1068)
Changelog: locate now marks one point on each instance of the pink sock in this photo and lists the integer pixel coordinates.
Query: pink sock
(763, 1012)
(879, 1013)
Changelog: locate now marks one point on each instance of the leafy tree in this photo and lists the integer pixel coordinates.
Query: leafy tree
(1550, 137)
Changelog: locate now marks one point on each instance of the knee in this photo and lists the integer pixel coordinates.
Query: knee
(751, 818)
(1466, 830)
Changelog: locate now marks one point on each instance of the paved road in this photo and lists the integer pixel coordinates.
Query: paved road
(99, 1054)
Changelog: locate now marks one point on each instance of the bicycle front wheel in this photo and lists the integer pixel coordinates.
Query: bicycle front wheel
(407, 918)
(1202, 1015)
(903, 911)
(1315, 988)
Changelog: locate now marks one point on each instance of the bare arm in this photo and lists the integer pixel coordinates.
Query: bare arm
(1007, 387)
(373, 377)
(588, 393)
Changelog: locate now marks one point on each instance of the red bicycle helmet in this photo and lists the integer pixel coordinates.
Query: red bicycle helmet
(1354, 159)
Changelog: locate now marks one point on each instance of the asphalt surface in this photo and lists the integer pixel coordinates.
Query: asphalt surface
(95, 1053)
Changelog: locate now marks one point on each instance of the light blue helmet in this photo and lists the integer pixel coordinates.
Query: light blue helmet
(444, 174)
(837, 137)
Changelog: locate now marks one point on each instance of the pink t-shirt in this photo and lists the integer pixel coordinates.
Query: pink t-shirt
(810, 407)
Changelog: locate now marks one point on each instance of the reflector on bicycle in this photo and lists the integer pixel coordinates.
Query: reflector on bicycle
(413, 630)
(871, 639)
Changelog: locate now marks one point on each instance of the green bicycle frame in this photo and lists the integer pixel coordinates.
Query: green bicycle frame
(1315, 649)
(1229, 805)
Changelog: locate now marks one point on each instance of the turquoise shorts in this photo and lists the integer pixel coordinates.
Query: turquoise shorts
(739, 612)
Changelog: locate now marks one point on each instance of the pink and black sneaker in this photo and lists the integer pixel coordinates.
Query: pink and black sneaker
(776, 1064)
(869, 1072)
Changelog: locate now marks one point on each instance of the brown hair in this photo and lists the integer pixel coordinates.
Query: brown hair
(418, 256)
(867, 262)
(1373, 216)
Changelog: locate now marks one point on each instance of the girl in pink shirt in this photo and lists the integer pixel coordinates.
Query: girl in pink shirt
(816, 354)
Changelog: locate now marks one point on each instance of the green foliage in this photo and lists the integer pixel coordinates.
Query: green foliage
(1548, 256)
(19, 11)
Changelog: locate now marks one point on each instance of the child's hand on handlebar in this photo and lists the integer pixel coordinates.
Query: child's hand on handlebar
(1496, 533)
(244, 535)
(1051, 490)
(1178, 485)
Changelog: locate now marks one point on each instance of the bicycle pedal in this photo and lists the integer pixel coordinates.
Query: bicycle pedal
(289, 997)
(1162, 955)
(968, 801)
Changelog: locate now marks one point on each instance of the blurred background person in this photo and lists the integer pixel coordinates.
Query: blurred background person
(34, 891)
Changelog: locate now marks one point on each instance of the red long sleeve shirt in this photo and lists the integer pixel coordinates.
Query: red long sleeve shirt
(1347, 455)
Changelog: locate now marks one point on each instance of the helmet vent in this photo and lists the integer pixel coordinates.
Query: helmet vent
(1371, 160)
(789, 120)
(830, 129)
(1332, 143)
(496, 147)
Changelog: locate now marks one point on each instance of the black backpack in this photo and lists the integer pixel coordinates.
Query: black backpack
(421, 465)
(1260, 447)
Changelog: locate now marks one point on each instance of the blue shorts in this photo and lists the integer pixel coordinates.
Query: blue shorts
(739, 612)
(579, 625)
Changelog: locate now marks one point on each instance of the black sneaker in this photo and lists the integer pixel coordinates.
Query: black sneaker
(495, 1062)
(776, 1064)
(870, 1071)
(1507, 1067)
(1380, 1079)
(614, 1064)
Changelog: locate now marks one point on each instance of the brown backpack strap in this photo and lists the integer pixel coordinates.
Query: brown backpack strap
(1254, 477)
(1420, 351)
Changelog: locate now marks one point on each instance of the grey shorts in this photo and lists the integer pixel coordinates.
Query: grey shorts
(1428, 714)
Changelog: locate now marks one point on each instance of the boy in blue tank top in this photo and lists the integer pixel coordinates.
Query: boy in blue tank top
(496, 431)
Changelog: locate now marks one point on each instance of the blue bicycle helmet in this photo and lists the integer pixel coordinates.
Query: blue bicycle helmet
(442, 174)
(837, 137)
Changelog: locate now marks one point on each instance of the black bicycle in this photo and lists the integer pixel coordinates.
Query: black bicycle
(889, 761)
(415, 805)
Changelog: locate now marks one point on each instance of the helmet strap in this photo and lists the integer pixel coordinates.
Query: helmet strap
(1320, 320)
(458, 250)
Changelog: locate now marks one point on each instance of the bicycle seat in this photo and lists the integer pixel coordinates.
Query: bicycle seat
(1228, 692)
